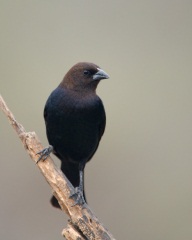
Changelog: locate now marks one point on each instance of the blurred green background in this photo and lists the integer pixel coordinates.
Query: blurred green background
(139, 183)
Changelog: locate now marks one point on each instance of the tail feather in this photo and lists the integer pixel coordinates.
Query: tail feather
(71, 171)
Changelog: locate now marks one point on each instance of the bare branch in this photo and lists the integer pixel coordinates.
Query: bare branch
(71, 233)
(83, 223)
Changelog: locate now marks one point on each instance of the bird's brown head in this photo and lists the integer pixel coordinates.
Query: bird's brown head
(83, 76)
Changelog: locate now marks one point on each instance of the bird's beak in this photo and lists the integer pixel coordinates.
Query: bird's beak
(100, 74)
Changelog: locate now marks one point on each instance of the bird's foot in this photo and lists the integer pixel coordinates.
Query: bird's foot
(44, 154)
(77, 196)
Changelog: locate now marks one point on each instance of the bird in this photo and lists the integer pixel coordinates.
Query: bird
(75, 121)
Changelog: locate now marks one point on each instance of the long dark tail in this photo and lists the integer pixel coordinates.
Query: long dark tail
(71, 171)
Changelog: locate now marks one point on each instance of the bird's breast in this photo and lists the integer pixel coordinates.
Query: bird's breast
(73, 125)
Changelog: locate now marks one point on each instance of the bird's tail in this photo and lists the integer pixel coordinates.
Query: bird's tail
(71, 171)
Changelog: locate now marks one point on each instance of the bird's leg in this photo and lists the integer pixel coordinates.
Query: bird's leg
(78, 193)
(44, 153)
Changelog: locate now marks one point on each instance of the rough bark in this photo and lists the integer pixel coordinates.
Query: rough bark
(83, 223)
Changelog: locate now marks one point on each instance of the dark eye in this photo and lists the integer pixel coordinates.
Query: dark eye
(86, 72)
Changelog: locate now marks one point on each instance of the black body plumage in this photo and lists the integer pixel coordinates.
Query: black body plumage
(75, 122)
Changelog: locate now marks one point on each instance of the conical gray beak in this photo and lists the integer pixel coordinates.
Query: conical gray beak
(100, 75)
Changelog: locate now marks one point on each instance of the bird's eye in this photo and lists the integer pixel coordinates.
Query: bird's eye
(86, 72)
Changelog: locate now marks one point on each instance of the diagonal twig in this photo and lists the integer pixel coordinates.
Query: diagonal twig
(83, 223)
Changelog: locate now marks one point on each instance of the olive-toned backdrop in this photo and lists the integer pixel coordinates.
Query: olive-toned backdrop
(139, 183)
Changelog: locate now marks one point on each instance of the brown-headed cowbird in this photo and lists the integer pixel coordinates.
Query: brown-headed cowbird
(75, 122)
